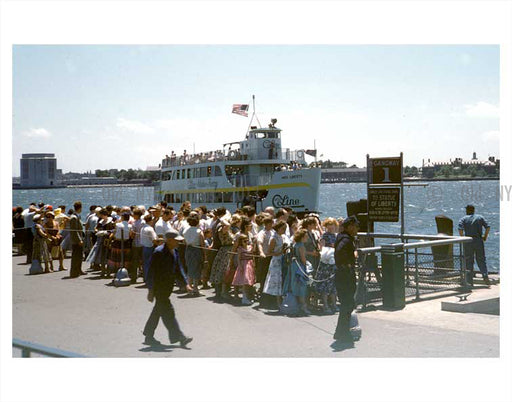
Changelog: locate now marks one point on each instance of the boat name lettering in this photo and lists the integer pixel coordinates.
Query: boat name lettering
(280, 201)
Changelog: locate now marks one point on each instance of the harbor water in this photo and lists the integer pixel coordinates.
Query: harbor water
(422, 204)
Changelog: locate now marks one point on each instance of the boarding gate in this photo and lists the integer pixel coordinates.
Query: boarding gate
(408, 267)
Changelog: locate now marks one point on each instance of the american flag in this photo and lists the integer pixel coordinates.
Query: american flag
(241, 109)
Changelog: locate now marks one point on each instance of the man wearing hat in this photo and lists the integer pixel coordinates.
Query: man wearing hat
(345, 280)
(162, 273)
(471, 225)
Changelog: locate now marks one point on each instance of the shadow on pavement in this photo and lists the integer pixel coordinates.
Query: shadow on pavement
(158, 348)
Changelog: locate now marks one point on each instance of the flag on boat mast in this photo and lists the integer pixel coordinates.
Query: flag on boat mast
(241, 109)
(311, 152)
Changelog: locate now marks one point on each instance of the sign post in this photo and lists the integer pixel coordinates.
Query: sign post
(385, 188)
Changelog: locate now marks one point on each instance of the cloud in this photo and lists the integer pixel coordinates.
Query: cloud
(482, 110)
(37, 133)
(134, 126)
(491, 136)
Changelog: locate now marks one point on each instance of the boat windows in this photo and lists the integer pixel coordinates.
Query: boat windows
(201, 198)
(183, 173)
(228, 197)
(208, 171)
(189, 174)
(177, 174)
(217, 171)
(217, 198)
(202, 172)
(166, 176)
(177, 198)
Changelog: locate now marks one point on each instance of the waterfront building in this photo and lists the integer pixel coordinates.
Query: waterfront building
(38, 170)
(490, 166)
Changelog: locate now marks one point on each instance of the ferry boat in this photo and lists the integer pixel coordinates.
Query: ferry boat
(255, 171)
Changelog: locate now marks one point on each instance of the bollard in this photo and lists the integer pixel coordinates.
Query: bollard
(393, 280)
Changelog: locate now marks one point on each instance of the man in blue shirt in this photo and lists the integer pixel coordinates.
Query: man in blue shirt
(471, 225)
(163, 271)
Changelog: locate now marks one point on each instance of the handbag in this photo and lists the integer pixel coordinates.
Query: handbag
(289, 305)
(327, 255)
(35, 268)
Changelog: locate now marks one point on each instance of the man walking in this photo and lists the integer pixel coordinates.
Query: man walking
(345, 281)
(77, 241)
(471, 225)
(162, 273)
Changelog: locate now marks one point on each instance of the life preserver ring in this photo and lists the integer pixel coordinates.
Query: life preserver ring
(300, 154)
(231, 154)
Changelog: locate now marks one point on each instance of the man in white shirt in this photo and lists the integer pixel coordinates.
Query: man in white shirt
(163, 225)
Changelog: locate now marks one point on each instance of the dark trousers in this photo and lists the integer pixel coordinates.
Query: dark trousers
(29, 244)
(164, 309)
(472, 250)
(345, 282)
(77, 253)
(262, 270)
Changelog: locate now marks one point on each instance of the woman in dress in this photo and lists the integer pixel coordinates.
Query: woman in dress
(195, 253)
(40, 247)
(221, 262)
(244, 275)
(296, 282)
(325, 288)
(274, 283)
(99, 253)
(54, 239)
(121, 245)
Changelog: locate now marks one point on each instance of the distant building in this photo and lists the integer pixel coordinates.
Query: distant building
(38, 170)
(490, 166)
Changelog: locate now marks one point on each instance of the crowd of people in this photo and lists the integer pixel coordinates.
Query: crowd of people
(243, 255)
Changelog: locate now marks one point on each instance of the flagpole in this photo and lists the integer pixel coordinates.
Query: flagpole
(314, 147)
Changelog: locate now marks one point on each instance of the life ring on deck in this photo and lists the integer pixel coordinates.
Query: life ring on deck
(300, 154)
(231, 154)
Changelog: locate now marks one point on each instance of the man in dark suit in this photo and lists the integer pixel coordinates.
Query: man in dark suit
(345, 280)
(163, 271)
(77, 241)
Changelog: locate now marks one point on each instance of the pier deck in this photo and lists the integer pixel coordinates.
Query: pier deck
(88, 317)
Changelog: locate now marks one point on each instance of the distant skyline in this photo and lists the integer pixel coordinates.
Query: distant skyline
(102, 107)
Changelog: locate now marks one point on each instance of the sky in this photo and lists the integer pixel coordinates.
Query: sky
(126, 106)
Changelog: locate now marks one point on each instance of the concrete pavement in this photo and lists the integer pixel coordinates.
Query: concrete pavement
(88, 316)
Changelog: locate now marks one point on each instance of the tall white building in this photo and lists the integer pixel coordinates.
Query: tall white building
(38, 170)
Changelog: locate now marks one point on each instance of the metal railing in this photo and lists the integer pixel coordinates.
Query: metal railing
(27, 348)
(432, 263)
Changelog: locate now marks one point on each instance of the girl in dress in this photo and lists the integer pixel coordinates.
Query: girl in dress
(54, 238)
(326, 269)
(273, 283)
(244, 275)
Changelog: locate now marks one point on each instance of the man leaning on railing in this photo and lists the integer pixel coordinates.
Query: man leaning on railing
(471, 225)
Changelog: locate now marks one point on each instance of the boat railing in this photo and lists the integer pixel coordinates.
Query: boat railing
(231, 155)
(186, 160)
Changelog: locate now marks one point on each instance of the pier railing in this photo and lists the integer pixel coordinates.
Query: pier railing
(431, 263)
(27, 348)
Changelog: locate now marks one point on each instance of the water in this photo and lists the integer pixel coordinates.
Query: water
(422, 204)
